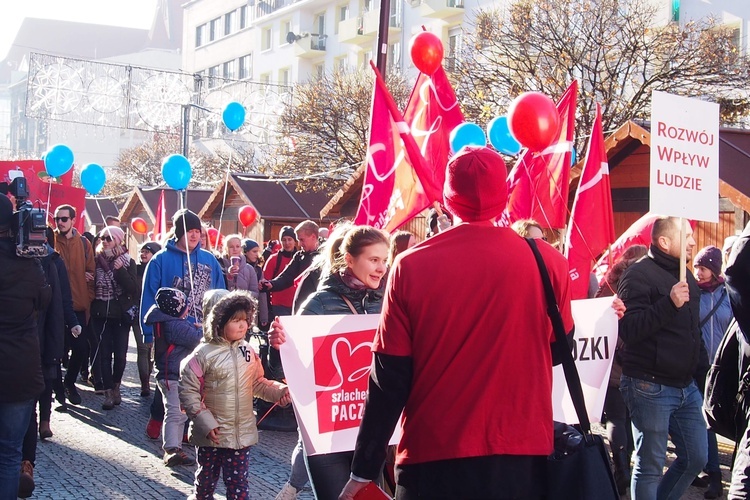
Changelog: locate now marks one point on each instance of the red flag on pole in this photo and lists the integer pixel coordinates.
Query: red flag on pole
(406, 157)
(538, 183)
(592, 226)
(160, 225)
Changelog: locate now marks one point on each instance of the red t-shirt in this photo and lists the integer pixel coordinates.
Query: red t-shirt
(468, 307)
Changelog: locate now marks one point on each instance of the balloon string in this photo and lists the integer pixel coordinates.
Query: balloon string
(101, 212)
(226, 184)
(49, 199)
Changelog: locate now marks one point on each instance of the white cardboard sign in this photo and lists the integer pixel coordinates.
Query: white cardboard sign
(684, 157)
(327, 363)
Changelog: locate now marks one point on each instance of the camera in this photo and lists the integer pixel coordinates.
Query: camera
(29, 223)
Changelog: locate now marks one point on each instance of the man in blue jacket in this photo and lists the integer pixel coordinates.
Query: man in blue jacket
(184, 265)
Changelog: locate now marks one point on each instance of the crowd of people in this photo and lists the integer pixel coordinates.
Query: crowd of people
(447, 364)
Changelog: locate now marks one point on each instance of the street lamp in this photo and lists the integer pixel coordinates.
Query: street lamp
(185, 137)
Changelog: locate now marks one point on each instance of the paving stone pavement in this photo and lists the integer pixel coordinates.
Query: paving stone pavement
(99, 454)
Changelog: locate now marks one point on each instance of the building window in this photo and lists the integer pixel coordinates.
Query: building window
(228, 70)
(343, 15)
(394, 57)
(366, 58)
(246, 69)
(286, 28)
(285, 76)
(395, 18)
(320, 23)
(265, 78)
(229, 18)
(454, 49)
(213, 29)
(341, 64)
(367, 5)
(265, 39)
(213, 74)
(320, 70)
(200, 35)
(243, 17)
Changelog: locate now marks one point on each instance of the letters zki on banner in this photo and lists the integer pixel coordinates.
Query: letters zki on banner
(342, 367)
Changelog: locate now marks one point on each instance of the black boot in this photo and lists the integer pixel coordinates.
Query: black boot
(621, 461)
(715, 488)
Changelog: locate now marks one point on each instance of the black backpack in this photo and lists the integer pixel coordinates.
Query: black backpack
(725, 389)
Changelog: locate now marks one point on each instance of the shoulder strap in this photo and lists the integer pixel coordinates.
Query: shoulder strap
(85, 243)
(716, 308)
(278, 264)
(561, 343)
(349, 303)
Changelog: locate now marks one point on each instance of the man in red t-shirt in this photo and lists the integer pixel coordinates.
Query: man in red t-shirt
(281, 300)
(464, 351)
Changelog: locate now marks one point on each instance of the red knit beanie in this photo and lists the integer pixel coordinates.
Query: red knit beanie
(475, 187)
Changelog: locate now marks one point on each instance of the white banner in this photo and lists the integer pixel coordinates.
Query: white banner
(596, 339)
(327, 366)
(684, 157)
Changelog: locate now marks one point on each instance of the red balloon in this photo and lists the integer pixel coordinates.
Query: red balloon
(248, 215)
(533, 120)
(426, 51)
(214, 238)
(139, 225)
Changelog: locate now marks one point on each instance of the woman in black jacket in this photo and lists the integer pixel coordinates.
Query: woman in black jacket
(113, 309)
(352, 283)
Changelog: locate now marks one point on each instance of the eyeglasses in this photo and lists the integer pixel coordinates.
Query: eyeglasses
(62, 219)
(108, 239)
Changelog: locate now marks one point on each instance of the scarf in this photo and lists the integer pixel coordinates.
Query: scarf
(351, 281)
(712, 285)
(106, 286)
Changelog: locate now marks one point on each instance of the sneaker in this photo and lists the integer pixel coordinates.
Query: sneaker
(177, 456)
(288, 492)
(153, 429)
(72, 394)
(26, 480)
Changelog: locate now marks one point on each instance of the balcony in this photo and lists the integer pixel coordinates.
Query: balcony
(263, 8)
(371, 23)
(441, 9)
(353, 31)
(311, 46)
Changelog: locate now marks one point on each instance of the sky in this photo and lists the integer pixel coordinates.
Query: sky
(127, 13)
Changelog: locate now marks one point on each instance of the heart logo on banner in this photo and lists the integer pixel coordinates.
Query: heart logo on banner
(347, 355)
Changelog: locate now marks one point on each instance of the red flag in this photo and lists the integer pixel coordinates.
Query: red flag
(160, 224)
(639, 233)
(393, 191)
(592, 224)
(538, 183)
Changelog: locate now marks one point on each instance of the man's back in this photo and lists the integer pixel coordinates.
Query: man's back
(21, 283)
(476, 327)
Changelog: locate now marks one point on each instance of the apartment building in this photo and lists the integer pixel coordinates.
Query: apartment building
(286, 41)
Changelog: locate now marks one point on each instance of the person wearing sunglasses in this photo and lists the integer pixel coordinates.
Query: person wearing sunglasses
(78, 255)
(113, 310)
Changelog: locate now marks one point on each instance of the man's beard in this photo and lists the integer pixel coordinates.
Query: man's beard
(65, 233)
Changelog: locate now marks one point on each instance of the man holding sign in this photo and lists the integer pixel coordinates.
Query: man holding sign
(663, 354)
(472, 373)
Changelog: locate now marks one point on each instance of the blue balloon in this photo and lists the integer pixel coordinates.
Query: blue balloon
(501, 137)
(233, 116)
(93, 178)
(58, 160)
(176, 171)
(467, 134)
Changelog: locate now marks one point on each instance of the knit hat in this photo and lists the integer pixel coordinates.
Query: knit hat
(288, 231)
(171, 301)
(151, 246)
(6, 211)
(248, 244)
(710, 258)
(183, 221)
(114, 232)
(475, 187)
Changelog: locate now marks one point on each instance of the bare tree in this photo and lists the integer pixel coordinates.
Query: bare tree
(327, 126)
(615, 49)
(141, 165)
